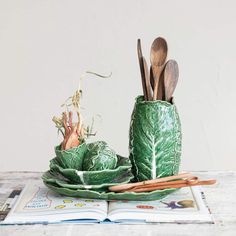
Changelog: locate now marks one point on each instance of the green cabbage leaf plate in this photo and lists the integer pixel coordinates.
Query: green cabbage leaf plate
(51, 177)
(109, 196)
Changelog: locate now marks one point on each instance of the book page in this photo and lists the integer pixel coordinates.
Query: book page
(39, 202)
(182, 202)
(38, 198)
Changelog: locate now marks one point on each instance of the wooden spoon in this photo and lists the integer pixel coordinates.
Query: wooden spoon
(140, 58)
(158, 57)
(171, 75)
(160, 91)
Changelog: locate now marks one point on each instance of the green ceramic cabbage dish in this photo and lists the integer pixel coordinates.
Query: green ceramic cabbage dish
(94, 165)
(89, 169)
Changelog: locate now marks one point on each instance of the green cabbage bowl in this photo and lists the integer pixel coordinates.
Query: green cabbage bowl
(120, 174)
(71, 158)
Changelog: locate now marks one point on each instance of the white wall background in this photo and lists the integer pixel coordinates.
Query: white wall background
(46, 45)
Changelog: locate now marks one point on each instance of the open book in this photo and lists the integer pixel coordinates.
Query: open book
(38, 204)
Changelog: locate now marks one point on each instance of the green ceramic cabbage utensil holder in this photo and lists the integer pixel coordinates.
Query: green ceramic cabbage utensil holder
(154, 139)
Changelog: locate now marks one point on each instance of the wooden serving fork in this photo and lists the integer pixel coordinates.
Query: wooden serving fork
(123, 187)
(172, 184)
(177, 181)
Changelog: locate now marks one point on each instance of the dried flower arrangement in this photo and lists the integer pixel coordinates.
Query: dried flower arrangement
(74, 133)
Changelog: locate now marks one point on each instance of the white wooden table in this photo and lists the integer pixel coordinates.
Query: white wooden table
(221, 199)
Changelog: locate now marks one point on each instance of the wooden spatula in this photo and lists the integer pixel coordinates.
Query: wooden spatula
(140, 58)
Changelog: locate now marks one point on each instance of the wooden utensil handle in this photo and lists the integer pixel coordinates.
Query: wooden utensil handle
(156, 72)
(159, 85)
(147, 79)
(152, 80)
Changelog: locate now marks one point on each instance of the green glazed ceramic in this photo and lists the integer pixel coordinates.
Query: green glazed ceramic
(71, 158)
(89, 194)
(155, 139)
(94, 177)
(58, 179)
(99, 157)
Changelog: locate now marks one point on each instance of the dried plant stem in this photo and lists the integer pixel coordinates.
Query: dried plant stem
(74, 134)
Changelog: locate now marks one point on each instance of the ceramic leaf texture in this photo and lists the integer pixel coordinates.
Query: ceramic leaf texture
(117, 175)
(155, 139)
(71, 158)
(99, 156)
(81, 193)
(52, 177)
